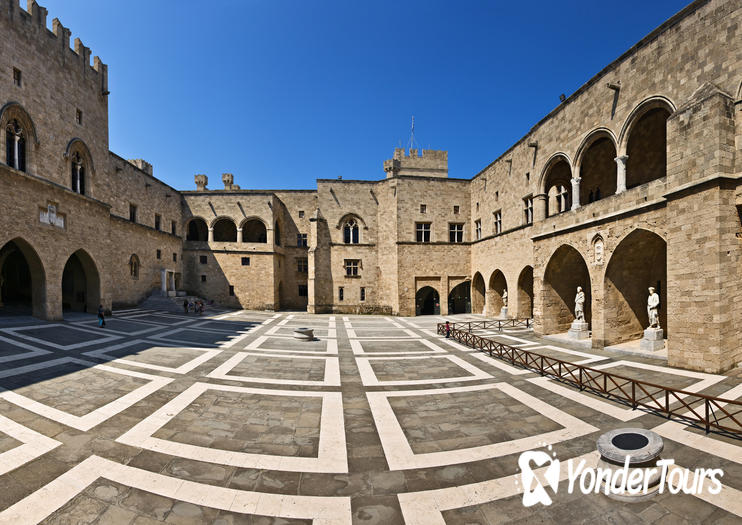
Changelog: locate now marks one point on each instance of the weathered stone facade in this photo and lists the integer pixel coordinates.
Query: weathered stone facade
(631, 182)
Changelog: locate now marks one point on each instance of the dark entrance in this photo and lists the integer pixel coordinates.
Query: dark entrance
(80, 284)
(427, 301)
(459, 299)
(16, 295)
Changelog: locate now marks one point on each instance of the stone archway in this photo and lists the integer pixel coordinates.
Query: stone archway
(565, 271)
(646, 147)
(598, 170)
(80, 284)
(225, 230)
(459, 299)
(497, 285)
(197, 230)
(477, 294)
(22, 280)
(638, 262)
(254, 230)
(525, 293)
(427, 301)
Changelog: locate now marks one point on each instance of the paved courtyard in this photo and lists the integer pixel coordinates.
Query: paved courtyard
(226, 419)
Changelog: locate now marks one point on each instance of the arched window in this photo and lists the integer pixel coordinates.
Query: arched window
(350, 232)
(197, 230)
(15, 146)
(78, 174)
(134, 266)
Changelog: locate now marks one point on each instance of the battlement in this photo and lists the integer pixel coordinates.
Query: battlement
(143, 165)
(427, 163)
(31, 23)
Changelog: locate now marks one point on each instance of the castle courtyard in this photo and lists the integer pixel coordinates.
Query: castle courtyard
(227, 418)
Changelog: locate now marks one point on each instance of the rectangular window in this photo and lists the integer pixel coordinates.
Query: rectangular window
(422, 231)
(302, 265)
(528, 210)
(301, 214)
(301, 240)
(158, 220)
(455, 233)
(303, 290)
(455, 210)
(478, 229)
(423, 208)
(351, 267)
(497, 196)
(203, 278)
(341, 293)
(78, 117)
(159, 254)
(245, 261)
(175, 257)
(172, 227)
(203, 259)
(363, 293)
(231, 290)
(132, 213)
(498, 222)
(17, 77)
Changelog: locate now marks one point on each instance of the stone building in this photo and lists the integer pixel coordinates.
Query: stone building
(630, 182)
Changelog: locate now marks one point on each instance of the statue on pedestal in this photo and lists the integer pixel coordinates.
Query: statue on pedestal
(580, 305)
(653, 303)
(505, 298)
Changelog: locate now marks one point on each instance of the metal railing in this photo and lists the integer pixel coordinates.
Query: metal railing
(708, 412)
(489, 324)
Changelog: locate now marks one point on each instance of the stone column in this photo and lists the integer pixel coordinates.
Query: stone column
(16, 150)
(539, 207)
(211, 234)
(621, 173)
(576, 192)
(172, 281)
(77, 177)
(163, 282)
(239, 234)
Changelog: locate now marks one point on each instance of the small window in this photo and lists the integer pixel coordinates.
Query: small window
(477, 206)
(423, 208)
(203, 278)
(363, 293)
(455, 210)
(478, 229)
(134, 266)
(158, 220)
(301, 240)
(245, 261)
(528, 177)
(498, 222)
(303, 290)
(497, 196)
(159, 254)
(351, 267)
(422, 231)
(455, 233)
(132, 213)
(528, 210)
(341, 293)
(78, 117)
(301, 214)
(302, 265)
(231, 290)
(172, 227)
(203, 259)
(175, 257)
(17, 77)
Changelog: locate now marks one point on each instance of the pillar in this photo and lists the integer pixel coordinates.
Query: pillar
(211, 234)
(239, 234)
(539, 207)
(163, 281)
(16, 150)
(576, 192)
(621, 173)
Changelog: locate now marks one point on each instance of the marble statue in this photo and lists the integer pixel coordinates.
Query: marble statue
(580, 305)
(653, 303)
(505, 298)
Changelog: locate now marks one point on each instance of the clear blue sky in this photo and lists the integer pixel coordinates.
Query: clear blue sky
(283, 92)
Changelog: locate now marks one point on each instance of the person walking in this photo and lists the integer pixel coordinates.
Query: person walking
(185, 305)
(101, 317)
(448, 330)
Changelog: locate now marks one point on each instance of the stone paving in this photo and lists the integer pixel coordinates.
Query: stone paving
(226, 419)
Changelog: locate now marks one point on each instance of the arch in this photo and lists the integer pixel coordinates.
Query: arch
(16, 110)
(350, 226)
(497, 285)
(565, 271)
(254, 230)
(348, 216)
(638, 262)
(477, 294)
(134, 266)
(595, 164)
(16, 121)
(197, 230)
(557, 184)
(225, 230)
(644, 141)
(22, 279)
(554, 158)
(77, 144)
(525, 293)
(427, 301)
(80, 283)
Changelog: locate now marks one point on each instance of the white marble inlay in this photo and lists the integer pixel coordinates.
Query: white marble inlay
(331, 375)
(368, 377)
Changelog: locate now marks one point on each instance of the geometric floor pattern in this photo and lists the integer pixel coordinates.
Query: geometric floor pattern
(226, 418)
